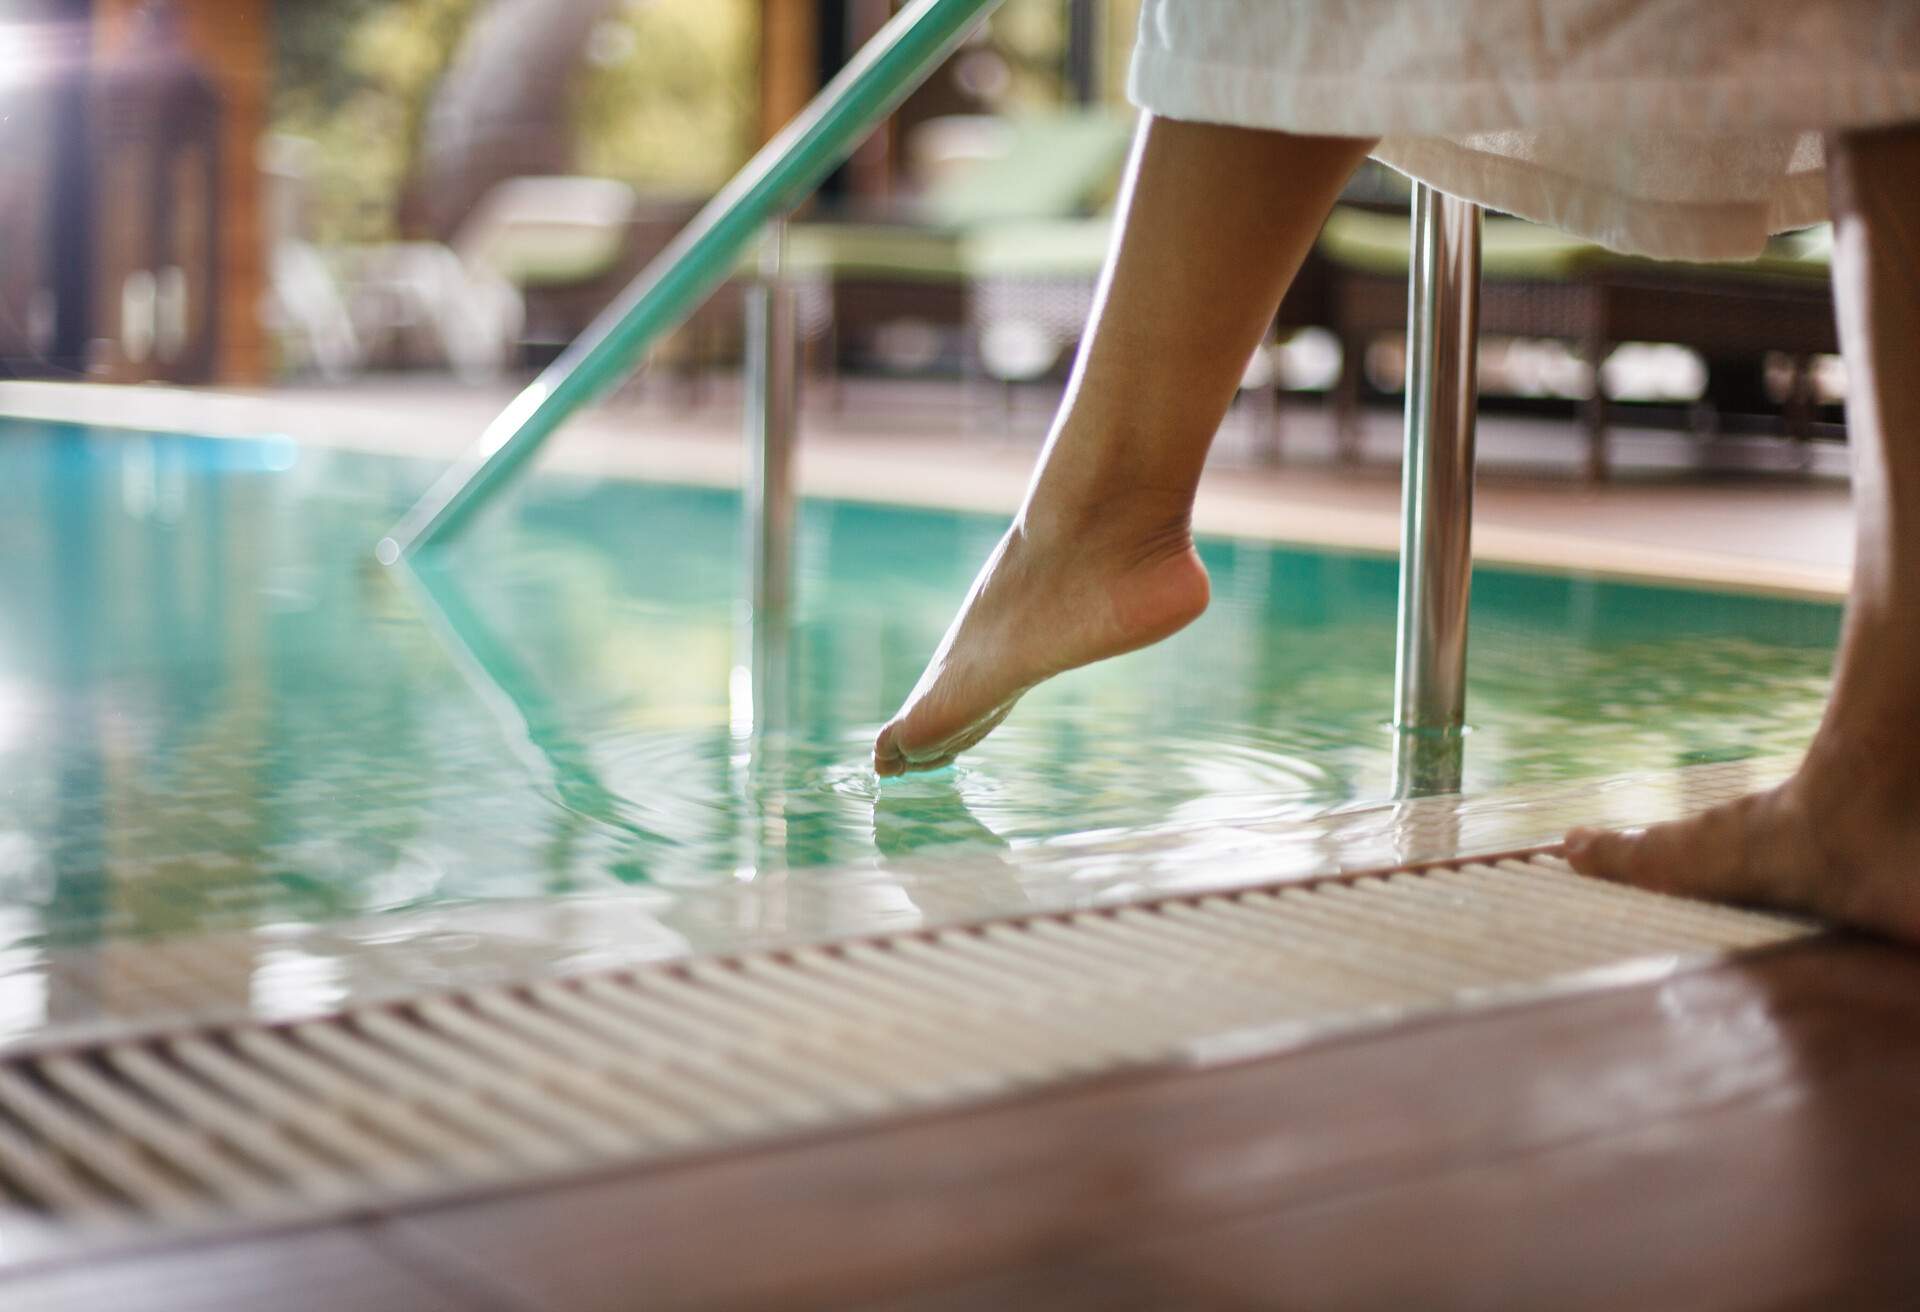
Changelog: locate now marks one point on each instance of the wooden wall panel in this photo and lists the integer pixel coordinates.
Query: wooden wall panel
(789, 58)
(233, 41)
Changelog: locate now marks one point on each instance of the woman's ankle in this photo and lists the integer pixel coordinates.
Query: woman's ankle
(1112, 512)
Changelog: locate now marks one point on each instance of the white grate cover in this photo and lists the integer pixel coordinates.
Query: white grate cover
(437, 1095)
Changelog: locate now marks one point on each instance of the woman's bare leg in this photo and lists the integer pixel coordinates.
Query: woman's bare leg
(1215, 222)
(1842, 837)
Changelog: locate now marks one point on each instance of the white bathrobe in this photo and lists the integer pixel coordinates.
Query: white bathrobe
(1687, 129)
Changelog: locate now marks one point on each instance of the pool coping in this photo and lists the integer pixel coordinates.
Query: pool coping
(1195, 1053)
(393, 955)
(876, 471)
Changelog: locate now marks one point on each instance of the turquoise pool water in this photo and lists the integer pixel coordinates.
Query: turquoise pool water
(215, 710)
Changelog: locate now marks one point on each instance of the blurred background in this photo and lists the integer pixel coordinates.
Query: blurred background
(343, 193)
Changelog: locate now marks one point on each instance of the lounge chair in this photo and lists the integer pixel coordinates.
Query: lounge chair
(306, 307)
(1009, 213)
(1539, 283)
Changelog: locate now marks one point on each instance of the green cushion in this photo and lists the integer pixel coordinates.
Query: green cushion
(1012, 215)
(1514, 248)
(1055, 165)
(1808, 251)
(1055, 248)
(1511, 248)
(552, 255)
(1058, 248)
(882, 250)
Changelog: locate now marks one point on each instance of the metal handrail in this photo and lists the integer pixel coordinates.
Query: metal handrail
(886, 70)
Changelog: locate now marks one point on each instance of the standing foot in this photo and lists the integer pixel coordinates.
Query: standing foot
(1840, 840)
(1061, 590)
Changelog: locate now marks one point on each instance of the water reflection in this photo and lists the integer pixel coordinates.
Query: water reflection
(233, 718)
(529, 721)
(919, 815)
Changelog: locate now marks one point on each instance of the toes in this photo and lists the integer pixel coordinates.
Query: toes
(964, 741)
(1666, 858)
(888, 759)
(1739, 852)
(1775, 849)
(924, 752)
(1616, 854)
(1593, 852)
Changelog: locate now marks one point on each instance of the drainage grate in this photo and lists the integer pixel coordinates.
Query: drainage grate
(440, 1094)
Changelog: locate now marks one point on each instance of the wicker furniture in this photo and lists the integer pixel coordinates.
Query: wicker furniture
(1542, 284)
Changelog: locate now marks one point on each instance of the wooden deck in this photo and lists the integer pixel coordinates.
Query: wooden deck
(1744, 1136)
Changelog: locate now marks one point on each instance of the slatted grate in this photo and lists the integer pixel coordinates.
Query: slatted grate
(440, 1094)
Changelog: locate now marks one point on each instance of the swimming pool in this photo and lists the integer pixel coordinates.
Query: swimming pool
(217, 712)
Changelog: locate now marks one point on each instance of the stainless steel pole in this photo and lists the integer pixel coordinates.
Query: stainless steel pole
(772, 414)
(1436, 533)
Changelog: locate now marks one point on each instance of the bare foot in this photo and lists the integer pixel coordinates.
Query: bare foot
(1840, 840)
(1062, 589)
